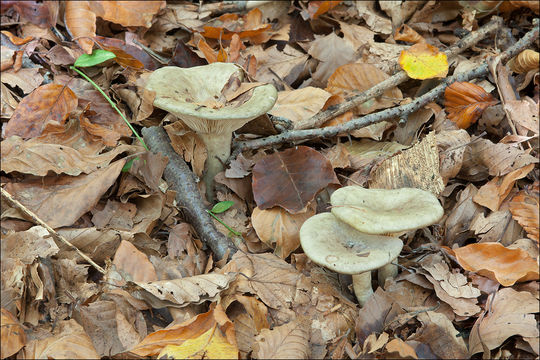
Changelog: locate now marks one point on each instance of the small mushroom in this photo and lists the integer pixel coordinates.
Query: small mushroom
(382, 211)
(337, 246)
(196, 96)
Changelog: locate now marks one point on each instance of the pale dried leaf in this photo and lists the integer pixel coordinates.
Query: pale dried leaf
(286, 341)
(299, 104)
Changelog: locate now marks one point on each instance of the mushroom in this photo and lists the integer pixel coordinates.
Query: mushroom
(382, 211)
(331, 243)
(191, 95)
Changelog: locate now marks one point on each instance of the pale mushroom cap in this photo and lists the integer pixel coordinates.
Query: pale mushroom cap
(382, 211)
(181, 91)
(337, 246)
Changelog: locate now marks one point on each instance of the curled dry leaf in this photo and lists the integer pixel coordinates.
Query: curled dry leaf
(423, 61)
(526, 61)
(250, 27)
(407, 33)
(279, 229)
(80, 21)
(182, 292)
(317, 8)
(48, 105)
(402, 349)
(496, 262)
(465, 103)
(524, 208)
(291, 178)
(128, 13)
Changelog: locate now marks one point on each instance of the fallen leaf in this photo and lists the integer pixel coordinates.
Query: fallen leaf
(80, 21)
(351, 79)
(286, 341)
(60, 201)
(510, 313)
(299, 104)
(127, 13)
(13, 337)
(465, 103)
(291, 178)
(317, 8)
(134, 263)
(250, 27)
(524, 208)
(29, 245)
(424, 61)
(525, 61)
(496, 262)
(325, 49)
(177, 335)
(403, 350)
(67, 341)
(279, 229)
(48, 105)
(492, 194)
(500, 159)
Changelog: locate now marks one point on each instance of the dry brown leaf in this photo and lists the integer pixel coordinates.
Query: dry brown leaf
(500, 159)
(526, 60)
(37, 157)
(60, 201)
(363, 152)
(325, 49)
(351, 79)
(27, 79)
(465, 103)
(28, 245)
(441, 336)
(509, 314)
(497, 226)
(338, 155)
(13, 337)
(182, 292)
(455, 284)
(356, 35)
(286, 341)
(524, 115)
(492, 194)
(274, 66)
(133, 263)
(524, 208)
(299, 104)
(127, 13)
(496, 262)
(68, 341)
(80, 21)
(403, 350)
(451, 144)
(461, 216)
(407, 33)
(279, 229)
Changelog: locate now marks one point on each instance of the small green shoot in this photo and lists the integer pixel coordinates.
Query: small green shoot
(219, 208)
(97, 57)
(129, 164)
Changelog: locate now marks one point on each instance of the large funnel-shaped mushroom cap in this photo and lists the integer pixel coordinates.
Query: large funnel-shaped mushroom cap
(381, 211)
(337, 246)
(181, 91)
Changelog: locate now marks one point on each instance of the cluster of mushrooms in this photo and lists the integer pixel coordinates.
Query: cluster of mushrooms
(361, 233)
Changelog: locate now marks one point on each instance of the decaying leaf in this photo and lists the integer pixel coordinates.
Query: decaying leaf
(13, 336)
(424, 61)
(525, 61)
(291, 178)
(496, 262)
(299, 104)
(286, 341)
(524, 208)
(182, 292)
(465, 103)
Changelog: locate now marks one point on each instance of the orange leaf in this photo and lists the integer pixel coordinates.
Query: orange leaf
(128, 13)
(208, 52)
(47, 105)
(496, 262)
(123, 58)
(317, 8)
(407, 33)
(423, 61)
(13, 336)
(17, 40)
(197, 328)
(465, 102)
(249, 27)
(524, 208)
(81, 23)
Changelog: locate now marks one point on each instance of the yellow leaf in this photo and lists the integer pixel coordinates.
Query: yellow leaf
(210, 345)
(423, 61)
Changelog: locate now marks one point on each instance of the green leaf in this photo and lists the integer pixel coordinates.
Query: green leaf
(129, 164)
(97, 57)
(222, 206)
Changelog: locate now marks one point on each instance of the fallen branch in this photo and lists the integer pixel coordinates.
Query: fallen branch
(399, 112)
(396, 79)
(182, 180)
(35, 219)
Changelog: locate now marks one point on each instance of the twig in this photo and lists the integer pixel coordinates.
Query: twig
(16, 204)
(396, 79)
(398, 112)
(182, 180)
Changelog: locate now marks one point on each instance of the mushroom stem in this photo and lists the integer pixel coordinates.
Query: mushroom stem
(386, 272)
(218, 147)
(362, 287)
